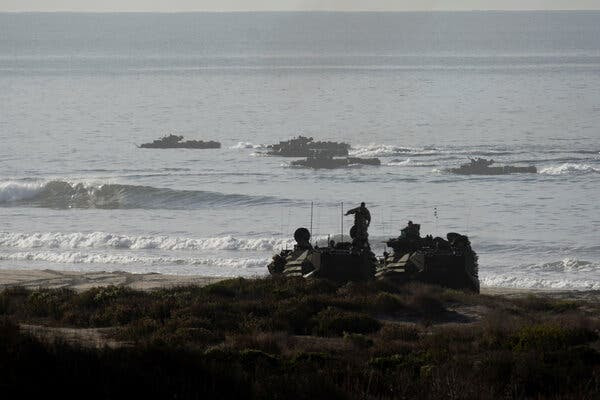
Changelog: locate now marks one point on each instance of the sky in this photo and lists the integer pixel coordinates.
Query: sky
(292, 5)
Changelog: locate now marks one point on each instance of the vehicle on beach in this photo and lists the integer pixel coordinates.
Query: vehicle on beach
(481, 166)
(337, 262)
(326, 160)
(175, 142)
(449, 263)
(303, 146)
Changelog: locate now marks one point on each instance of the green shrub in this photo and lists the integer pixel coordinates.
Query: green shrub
(387, 303)
(548, 337)
(4, 303)
(358, 340)
(411, 361)
(333, 322)
(545, 304)
(48, 302)
(406, 333)
(102, 296)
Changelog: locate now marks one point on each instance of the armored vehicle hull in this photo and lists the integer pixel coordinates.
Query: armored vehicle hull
(303, 146)
(331, 163)
(340, 263)
(503, 170)
(481, 166)
(175, 142)
(449, 263)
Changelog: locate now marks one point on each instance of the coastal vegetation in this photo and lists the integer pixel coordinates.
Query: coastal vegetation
(296, 338)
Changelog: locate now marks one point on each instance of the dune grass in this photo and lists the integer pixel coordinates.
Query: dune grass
(295, 338)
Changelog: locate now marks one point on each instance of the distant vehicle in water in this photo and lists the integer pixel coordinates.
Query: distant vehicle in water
(481, 166)
(326, 160)
(175, 142)
(302, 146)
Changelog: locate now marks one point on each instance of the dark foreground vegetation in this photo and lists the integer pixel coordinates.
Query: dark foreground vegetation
(297, 339)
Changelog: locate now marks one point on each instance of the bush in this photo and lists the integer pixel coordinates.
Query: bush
(333, 322)
(48, 302)
(547, 337)
(406, 333)
(358, 340)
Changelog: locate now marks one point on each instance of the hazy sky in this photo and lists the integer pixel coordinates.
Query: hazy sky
(293, 5)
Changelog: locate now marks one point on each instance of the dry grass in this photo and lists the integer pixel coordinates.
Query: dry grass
(291, 338)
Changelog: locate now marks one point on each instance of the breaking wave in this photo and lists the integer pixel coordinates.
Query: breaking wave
(565, 265)
(566, 274)
(247, 145)
(128, 259)
(103, 240)
(407, 163)
(63, 194)
(534, 282)
(386, 150)
(570, 169)
(378, 150)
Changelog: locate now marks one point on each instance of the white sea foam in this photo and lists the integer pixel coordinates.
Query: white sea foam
(408, 163)
(15, 191)
(570, 169)
(99, 240)
(398, 163)
(128, 259)
(537, 282)
(378, 150)
(565, 265)
(246, 145)
(567, 274)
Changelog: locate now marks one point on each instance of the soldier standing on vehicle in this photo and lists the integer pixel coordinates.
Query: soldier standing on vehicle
(362, 220)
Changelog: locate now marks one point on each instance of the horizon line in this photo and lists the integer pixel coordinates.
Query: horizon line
(288, 11)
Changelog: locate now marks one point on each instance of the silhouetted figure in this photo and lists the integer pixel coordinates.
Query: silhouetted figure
(412, 231)
(362, 220)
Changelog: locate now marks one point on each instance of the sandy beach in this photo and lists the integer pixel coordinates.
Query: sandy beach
(80, 281)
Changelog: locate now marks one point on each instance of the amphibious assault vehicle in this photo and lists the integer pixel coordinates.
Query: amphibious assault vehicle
(449, 262)
(481, 166)
(175, 142)
(341, 261)
(302, 146)
(326, 160)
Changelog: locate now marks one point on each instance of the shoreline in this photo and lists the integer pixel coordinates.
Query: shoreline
(81, 281)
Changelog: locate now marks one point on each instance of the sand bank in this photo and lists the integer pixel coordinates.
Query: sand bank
(80, 281)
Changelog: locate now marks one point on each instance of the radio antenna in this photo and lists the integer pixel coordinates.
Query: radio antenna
(342, 223)
(311, 217)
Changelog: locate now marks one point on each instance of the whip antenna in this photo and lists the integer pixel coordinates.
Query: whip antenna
(311, 218)
(311, 215)
(342, 223)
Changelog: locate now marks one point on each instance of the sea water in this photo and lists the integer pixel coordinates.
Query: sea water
(421, 91)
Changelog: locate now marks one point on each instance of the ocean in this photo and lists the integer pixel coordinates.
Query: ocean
(421, 91)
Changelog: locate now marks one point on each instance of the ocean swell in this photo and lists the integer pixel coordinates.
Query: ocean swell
(64, 194)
